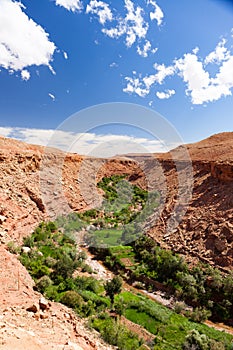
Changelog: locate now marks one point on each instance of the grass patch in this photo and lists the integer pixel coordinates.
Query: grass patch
(108, 237)
(169, 328)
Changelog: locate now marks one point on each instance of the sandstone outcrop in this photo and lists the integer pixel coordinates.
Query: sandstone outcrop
(197, 204)
(38, 184)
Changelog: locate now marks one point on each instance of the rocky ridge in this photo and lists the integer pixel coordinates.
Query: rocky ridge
(201, 214)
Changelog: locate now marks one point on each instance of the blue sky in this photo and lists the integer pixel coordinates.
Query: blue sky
(58, 57)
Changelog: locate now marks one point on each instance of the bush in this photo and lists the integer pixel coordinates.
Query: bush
(28, 241)
(116, 334)
(43, 283)
(86, 268)
(50, 262)
(199, 314)
(179, 307)
(72, 299)
(13, 248)
(52, 293)
(64, 267)
(196, 341)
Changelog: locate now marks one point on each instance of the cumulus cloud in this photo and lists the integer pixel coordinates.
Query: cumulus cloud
(70, 5)
(25, 75)
(141, 86)
(146, 49)
(157, 14)
(220, 54)
(135, 85)
(163, 72)
(192, 72)
(101, 9)
(165, 94)
(133, 26)
(87, 143)
(201, 86)
(23, 42)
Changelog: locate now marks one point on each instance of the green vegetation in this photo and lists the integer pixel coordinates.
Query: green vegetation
(124, 209)
(113, 287)
(114, 333)
(205, 288)
(170, 329)
(196, 341)
(52, 260)
(56, 265)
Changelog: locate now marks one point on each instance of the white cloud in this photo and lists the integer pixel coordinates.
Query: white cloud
(225, 75)
(145, 49)
(134, 85)
(113, 65)
(157, 14)
(219, 55)
(163, 72)
(133, 26)
(25, 75)
(192, 72)
(196, 50)
(70, 5)
(23, 42)
(5, 131)
(200, 85)
(165, 94)
(52, 96)
(142, 86)
(101, 9)
(87, 143)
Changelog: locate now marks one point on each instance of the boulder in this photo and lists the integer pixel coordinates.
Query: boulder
(227, 232)
(44, 304)
(26, 250)
(33, 308)
(220, 244)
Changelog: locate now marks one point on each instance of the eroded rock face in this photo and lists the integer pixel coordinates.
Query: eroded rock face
(29, 321)
(204, 232)
(70, 180)
(222, 171)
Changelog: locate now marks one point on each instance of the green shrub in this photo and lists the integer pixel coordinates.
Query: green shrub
(196, 341)
(72, 299)
(199, 314)
(13, 248)
(52, 293)
(50, 262)
(43, 283)
(114, 333)
(86, 268)
(64, 267)
(179, 307)
(28, 241)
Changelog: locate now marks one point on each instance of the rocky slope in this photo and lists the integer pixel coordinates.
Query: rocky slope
(195, 215)
(206, 229)
(195, 218)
